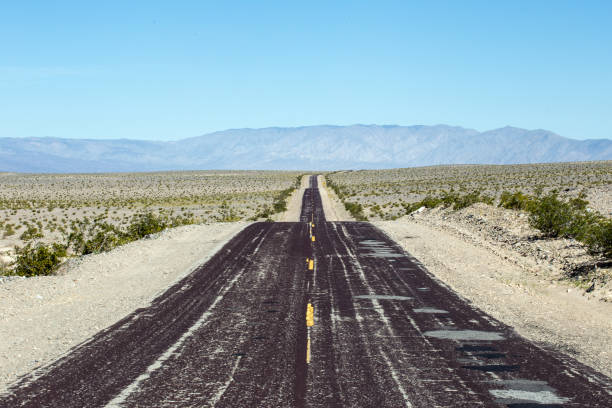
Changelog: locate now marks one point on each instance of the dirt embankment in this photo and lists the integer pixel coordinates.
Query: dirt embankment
(42, 318)
(486, 255)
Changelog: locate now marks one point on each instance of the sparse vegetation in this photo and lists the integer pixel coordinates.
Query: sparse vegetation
(571, 219)
(30, 233)
(8, 230)
(553, 216)
(38, 260)
(388, 194)
(356, 210)
(90, 238)
(280, 202)
(562, 200)
(92, 213)
(449, 199)
(515, 201)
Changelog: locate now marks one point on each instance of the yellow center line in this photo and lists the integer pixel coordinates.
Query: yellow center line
(309, 323)
(309, 315)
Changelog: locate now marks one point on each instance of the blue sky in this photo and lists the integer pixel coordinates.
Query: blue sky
(170, 70)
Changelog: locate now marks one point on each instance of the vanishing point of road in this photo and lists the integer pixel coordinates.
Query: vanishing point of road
(311, 314)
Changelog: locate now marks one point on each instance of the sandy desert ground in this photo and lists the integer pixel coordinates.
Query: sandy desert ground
(48, 207)
(382, 192)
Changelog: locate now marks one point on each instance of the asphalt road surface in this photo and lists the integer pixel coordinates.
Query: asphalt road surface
(311, 314)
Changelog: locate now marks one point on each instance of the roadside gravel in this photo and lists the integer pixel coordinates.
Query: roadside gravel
(44, 317)
(332, 207)
(294, 203)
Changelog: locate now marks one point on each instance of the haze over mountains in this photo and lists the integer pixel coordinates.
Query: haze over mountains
(311, 147)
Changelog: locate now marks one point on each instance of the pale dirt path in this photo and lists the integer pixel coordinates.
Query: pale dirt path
(294, 204)
(546, 314)
(332, 207)
(43, 318)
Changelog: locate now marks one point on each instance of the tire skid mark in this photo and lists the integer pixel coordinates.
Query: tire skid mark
(221, 391)
(370, 347)
(393, 282)
(497, 371)
(174, 350)
(85, 377)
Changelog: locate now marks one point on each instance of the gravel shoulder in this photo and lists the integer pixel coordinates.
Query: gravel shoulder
(510, 287)
(332, 207)
(42, 318)
(294, 204)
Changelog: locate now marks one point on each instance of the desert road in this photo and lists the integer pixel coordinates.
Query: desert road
(311, 314)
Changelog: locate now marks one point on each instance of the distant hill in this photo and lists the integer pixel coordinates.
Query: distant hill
(310, 147)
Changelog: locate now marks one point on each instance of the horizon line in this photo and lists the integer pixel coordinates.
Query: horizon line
(295, 127)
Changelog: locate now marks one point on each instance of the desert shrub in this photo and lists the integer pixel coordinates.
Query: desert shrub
(265, 212)
(38, 260)
(31, 233)
(429, 202)
(572, 219)
(95, 238)
(356, 210)
(376, 210)
(145, 224)
(449, 199)
(280, 200)
(178, 220)
(279, 203)
(598, 237)
(554, 217)
(89, 237)
(5, 268)
(340, 191)
(466, 200)
(515, 201)
(9, 230)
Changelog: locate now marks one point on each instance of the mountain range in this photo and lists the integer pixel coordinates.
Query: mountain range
(303, 148)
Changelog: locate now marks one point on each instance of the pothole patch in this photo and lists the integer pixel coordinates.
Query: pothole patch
(383, 297)
(464, 335)
(429, 310)
(521, 391)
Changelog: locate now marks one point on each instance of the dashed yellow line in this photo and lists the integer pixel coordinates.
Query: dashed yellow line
(309, 315)
(309, 323)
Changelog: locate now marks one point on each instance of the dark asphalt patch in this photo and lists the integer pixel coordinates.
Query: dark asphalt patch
(491, 355)
(493, 368)
(475, 348)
